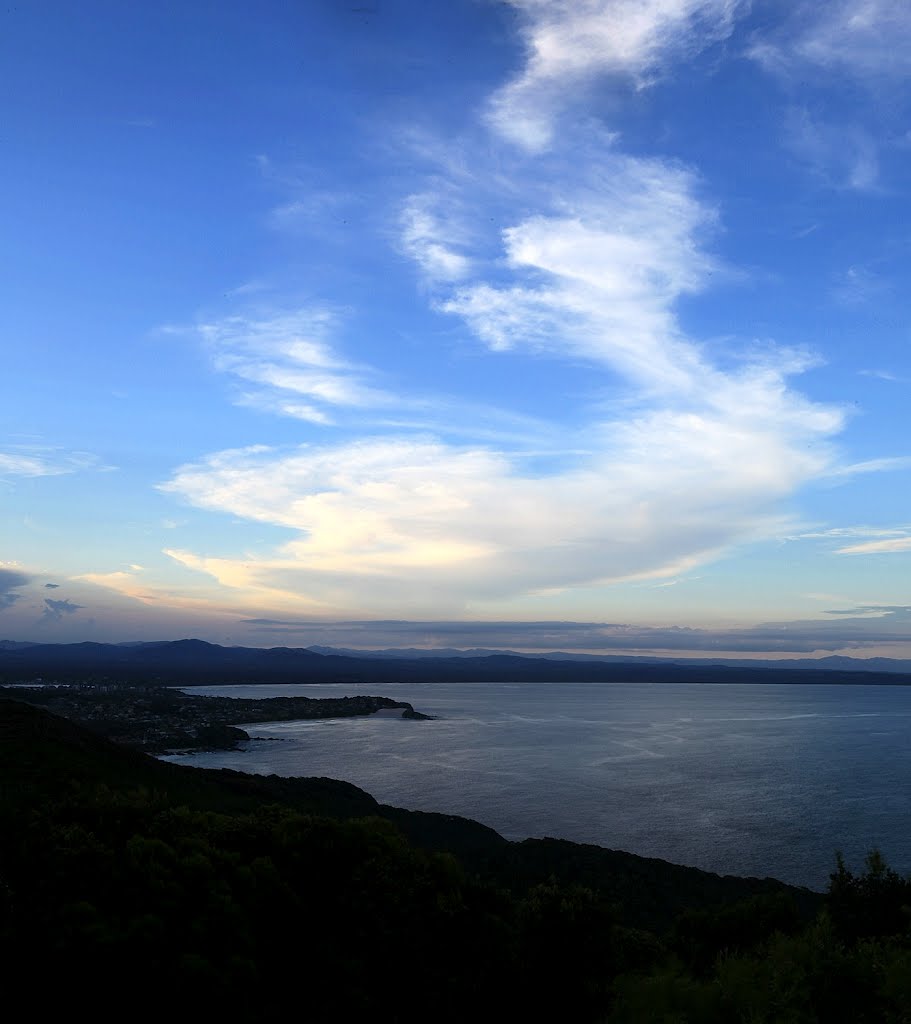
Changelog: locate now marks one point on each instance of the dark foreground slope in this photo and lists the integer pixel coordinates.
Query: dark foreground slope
(134, 887)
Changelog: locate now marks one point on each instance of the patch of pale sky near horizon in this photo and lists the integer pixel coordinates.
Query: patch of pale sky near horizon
(160, 612)
(855, 632)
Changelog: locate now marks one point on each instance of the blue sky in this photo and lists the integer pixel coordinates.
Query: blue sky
(542, 324)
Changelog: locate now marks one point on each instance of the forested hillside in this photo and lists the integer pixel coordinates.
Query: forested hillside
(136, 887)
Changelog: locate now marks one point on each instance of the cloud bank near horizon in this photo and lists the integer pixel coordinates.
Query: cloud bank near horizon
(856, 631)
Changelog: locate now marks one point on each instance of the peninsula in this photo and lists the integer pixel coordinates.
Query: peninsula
(159, 719)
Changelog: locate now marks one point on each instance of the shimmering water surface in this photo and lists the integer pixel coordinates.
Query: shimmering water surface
(739, 779)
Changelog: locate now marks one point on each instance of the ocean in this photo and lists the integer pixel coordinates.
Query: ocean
(751, 779)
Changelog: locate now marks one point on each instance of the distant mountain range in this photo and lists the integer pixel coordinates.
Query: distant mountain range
(833, 662)
(189, 662)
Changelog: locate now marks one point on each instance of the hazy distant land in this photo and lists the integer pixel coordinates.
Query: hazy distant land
(193, 662)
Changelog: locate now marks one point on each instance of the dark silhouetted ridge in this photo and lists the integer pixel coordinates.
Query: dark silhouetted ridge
(193, 662)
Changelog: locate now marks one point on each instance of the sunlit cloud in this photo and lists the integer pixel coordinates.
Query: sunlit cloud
(886, 546)
(127, 583)
(397, 520)
(159, 597)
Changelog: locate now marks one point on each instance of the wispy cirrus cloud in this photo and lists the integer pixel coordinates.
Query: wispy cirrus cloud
(286, 364)
(888, 375)
(869, 39)
(881, 465)
(853, 531)
(17, 464)
(871, 540)
(40, 460)
(844, 156)
(422, 237)
(825, 51)
(884, 546)
(571, 42)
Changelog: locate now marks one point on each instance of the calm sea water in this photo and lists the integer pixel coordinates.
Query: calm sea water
(738, 779)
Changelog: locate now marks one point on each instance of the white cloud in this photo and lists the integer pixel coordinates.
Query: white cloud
(880, 540)
(429, 242)
(569, 42)
(32, 461)
(26, 465)
(884, 464)
(420, 525)
(843, 155)
(888, 545)
(869, 39)
(598, 276)
(837, 532)
(888, 375)
(595, 251)
(288, 357)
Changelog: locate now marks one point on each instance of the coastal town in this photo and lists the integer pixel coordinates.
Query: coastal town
(161, 719)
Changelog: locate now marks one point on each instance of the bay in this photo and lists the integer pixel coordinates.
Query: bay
(740, 779)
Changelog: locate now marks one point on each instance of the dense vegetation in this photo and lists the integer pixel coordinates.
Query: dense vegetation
(146, 889)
